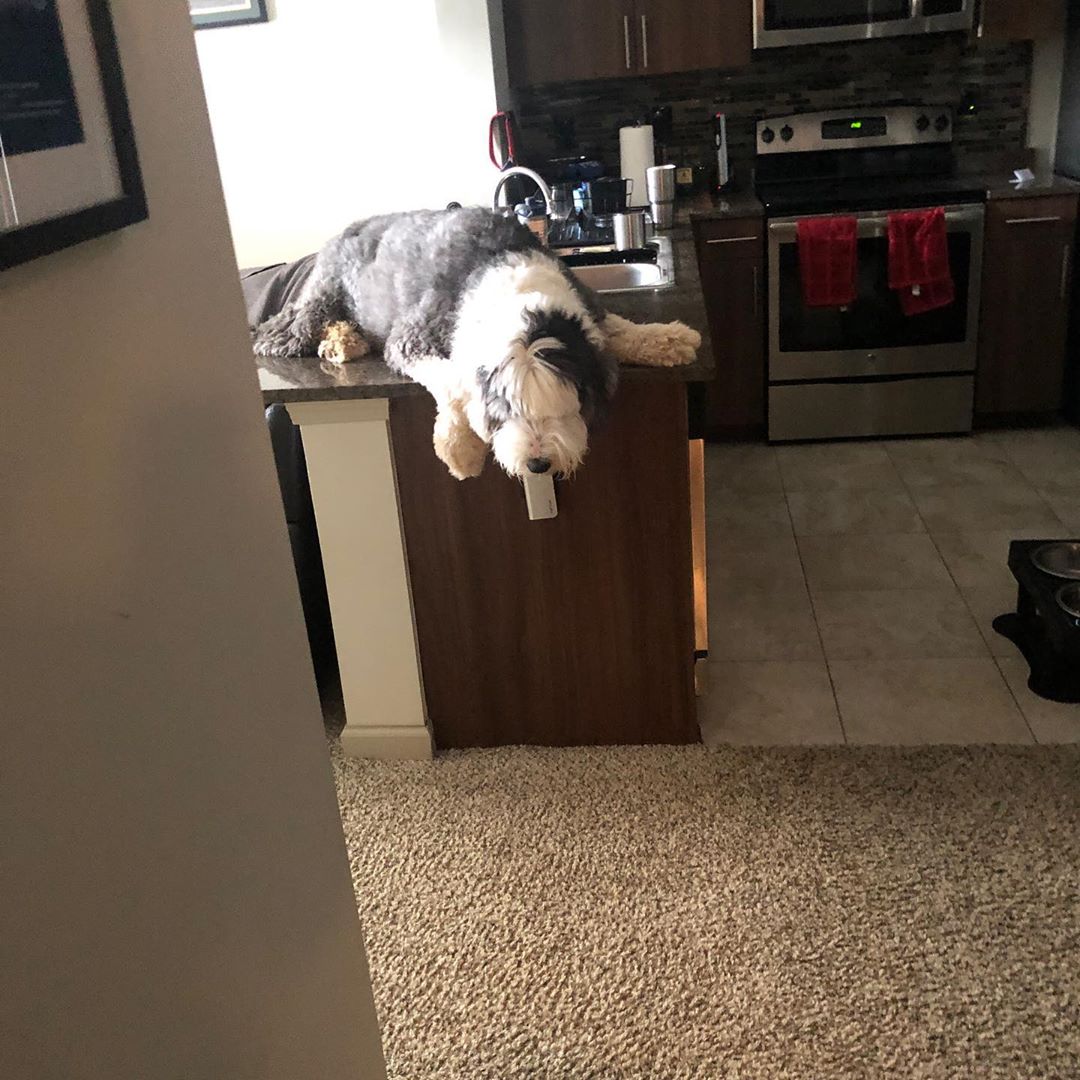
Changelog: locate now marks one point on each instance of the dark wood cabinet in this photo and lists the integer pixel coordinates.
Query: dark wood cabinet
(564, 40)
(1020, 20)
(578, 630)
(1027, 267)
(686, 35)
(731, 258)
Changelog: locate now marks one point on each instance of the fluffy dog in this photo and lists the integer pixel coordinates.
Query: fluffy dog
(519, 356)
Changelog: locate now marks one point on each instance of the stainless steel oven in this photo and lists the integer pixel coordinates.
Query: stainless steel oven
(800, 22)
(868, 369)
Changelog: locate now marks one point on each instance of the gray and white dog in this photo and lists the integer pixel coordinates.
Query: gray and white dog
(519, 356)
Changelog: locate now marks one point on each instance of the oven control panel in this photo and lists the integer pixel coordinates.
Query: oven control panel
(889, 126)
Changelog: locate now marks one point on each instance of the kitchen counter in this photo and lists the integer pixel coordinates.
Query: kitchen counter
(306, 379)
(997, 188)
(744, 203)
(429, 577)
(734, 204)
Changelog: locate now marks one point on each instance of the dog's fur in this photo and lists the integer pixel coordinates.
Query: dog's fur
(519, 356)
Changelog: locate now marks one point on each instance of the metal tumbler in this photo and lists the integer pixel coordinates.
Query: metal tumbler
(629, 229)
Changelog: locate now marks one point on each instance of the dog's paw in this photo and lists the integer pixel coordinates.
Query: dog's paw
(341, 343)
(272, 345)
(684, 344)
(457, 446)
(466, 469)
(467, 455)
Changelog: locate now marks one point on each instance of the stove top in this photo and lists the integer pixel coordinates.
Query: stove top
(870, 158)
(854, 195)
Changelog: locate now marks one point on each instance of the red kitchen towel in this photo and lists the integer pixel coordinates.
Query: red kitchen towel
(919, 260)
(828, 260)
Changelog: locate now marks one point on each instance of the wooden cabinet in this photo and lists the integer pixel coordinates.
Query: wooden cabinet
(1027, 266)
(1020, 20)
(686, 35)
(731, 258)
(563, 40)
(578, 630)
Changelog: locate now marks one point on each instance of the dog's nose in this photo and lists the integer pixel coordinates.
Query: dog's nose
(538, 464)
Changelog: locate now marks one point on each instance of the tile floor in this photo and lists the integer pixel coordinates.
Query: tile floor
(852, 586)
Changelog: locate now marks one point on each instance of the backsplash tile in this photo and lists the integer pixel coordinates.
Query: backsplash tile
(938, 69)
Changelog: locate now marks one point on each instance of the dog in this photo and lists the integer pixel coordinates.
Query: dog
(520, 357)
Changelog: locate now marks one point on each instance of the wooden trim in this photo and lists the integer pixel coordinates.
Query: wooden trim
(697, 535)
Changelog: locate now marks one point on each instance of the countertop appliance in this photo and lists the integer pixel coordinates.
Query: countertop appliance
(804, 22)
(867, 369)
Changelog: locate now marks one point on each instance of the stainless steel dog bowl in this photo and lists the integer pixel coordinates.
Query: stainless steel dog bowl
(1060, 559)
(1068, 598)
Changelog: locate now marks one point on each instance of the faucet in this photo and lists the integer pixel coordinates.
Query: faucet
(536, 178)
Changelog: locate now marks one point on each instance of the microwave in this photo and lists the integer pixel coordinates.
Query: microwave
(804, 22)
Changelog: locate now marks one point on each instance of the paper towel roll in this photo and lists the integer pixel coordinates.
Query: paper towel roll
(636, 154)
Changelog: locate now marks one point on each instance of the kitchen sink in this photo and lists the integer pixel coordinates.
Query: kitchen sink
(606, 270)
(614, 277)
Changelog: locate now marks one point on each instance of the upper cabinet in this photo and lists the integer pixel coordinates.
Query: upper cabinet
(564, 40)
(685, 35)
(1020, 20)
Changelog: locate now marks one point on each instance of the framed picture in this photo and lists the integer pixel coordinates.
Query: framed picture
(69, 170)
(207, 13)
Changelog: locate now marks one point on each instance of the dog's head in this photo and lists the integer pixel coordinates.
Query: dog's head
(536, 405)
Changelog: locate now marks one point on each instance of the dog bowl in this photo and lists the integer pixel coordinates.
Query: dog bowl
(1068, 598)
(1059, 559)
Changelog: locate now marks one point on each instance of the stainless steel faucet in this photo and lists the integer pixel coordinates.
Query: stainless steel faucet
(536, 178)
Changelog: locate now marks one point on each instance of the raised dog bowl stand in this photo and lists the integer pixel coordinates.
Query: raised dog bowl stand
(1047, 635)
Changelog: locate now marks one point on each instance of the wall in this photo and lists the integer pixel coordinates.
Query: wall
(936, 69)
(175, 891)
(337, 109)
(1047, 69)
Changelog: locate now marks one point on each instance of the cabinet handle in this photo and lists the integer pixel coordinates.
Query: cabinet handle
(626, 38)
(1031, 220)
(757, 305)
(644, 40)
(1066, 251)
(733, 240)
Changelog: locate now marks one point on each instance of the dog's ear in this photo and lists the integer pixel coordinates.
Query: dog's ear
(565, 348)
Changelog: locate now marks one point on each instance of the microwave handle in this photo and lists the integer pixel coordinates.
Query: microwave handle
(872, 225)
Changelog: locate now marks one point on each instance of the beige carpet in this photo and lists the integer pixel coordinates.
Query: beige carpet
(682, 913)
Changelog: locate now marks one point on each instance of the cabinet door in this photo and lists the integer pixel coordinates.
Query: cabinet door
(1026, 272)
(731, 257)
(684, 35)
(561, 40)
(1019, 20)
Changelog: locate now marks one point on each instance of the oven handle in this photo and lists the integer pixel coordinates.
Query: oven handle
(874, 225)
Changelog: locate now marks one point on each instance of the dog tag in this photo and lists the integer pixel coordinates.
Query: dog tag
(540, 496)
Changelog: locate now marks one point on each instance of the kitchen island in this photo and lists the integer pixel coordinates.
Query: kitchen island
(460, 622)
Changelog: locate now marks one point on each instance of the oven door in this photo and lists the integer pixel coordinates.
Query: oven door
(800, 22)
(872, 336)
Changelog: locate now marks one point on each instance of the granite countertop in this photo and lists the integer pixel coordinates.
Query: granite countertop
(998, 187)
(308, 379)
(731, 204)
(744, 203)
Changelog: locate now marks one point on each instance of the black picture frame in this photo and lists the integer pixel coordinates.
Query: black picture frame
(247, 12)
(26, 242)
